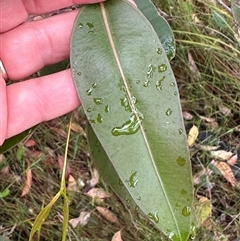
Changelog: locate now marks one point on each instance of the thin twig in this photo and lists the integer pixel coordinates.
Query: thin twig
(225, 6)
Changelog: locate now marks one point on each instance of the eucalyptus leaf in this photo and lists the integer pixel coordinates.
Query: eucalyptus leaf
(160, 26)
(13, 141)
(106, 168)
(130, 97)
(54, 68)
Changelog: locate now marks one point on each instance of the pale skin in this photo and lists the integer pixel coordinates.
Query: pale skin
(26, 47)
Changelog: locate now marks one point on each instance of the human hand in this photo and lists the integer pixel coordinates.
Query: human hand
(26, 47)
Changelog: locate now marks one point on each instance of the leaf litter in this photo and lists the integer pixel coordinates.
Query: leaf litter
(28, 184)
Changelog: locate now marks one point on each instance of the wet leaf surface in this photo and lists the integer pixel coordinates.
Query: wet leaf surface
(130, 97)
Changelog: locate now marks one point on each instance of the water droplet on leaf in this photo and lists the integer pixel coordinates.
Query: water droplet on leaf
(125, 103)
(130, 127)
(184, 192)
(159, 83)
(162, 68)
(107, 108)
(89, 110)
(94, 85)
(132, 180)
(151, 70)
(99, 118)
(90, 25)
(186, 211)
(120, 182)
(89, 91)
(80, 25)
(97, 143)
(133, 100)
(159, 50)
(90, 32)
(154, 216)
(146, 83)
(180, 131)
(193, 231)
(169, 112)
(172, 84)
(79, 73)
(98, 101)
(177, 205)
(181, 161)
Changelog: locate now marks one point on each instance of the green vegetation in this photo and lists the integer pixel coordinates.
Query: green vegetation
(205, 33)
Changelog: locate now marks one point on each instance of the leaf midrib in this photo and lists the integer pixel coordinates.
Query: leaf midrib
(133, 107)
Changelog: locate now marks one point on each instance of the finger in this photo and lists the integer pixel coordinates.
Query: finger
(15, 12)
(34, 45)
(3, 110)
(33, 101)
(43, 6)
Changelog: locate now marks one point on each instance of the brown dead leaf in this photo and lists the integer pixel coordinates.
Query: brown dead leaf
(187, 115)
(76, 128)
(206, 148)
(82, 220)
(107, 214)
(224, 110)
(210, 121)
(61, 164)
(232, 160)
(34, 154)
(95, 178)
(30, 143)
(203, 209)
(59, 131)
(221, 154)
(72, 184)
(117, 236)
(193, 67)
(98, 193)
(192, 135)
(28, 184)
(5, 168)
(205, 172)
(226, 171)
(195, 18)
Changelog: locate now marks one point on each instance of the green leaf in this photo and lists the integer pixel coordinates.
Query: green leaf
(65, 216)
(13, 141)
(4, 193)
(51, 69)
(42, 216)
(106, 168)
(160, 25)
(130, 97)
(219, 19)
